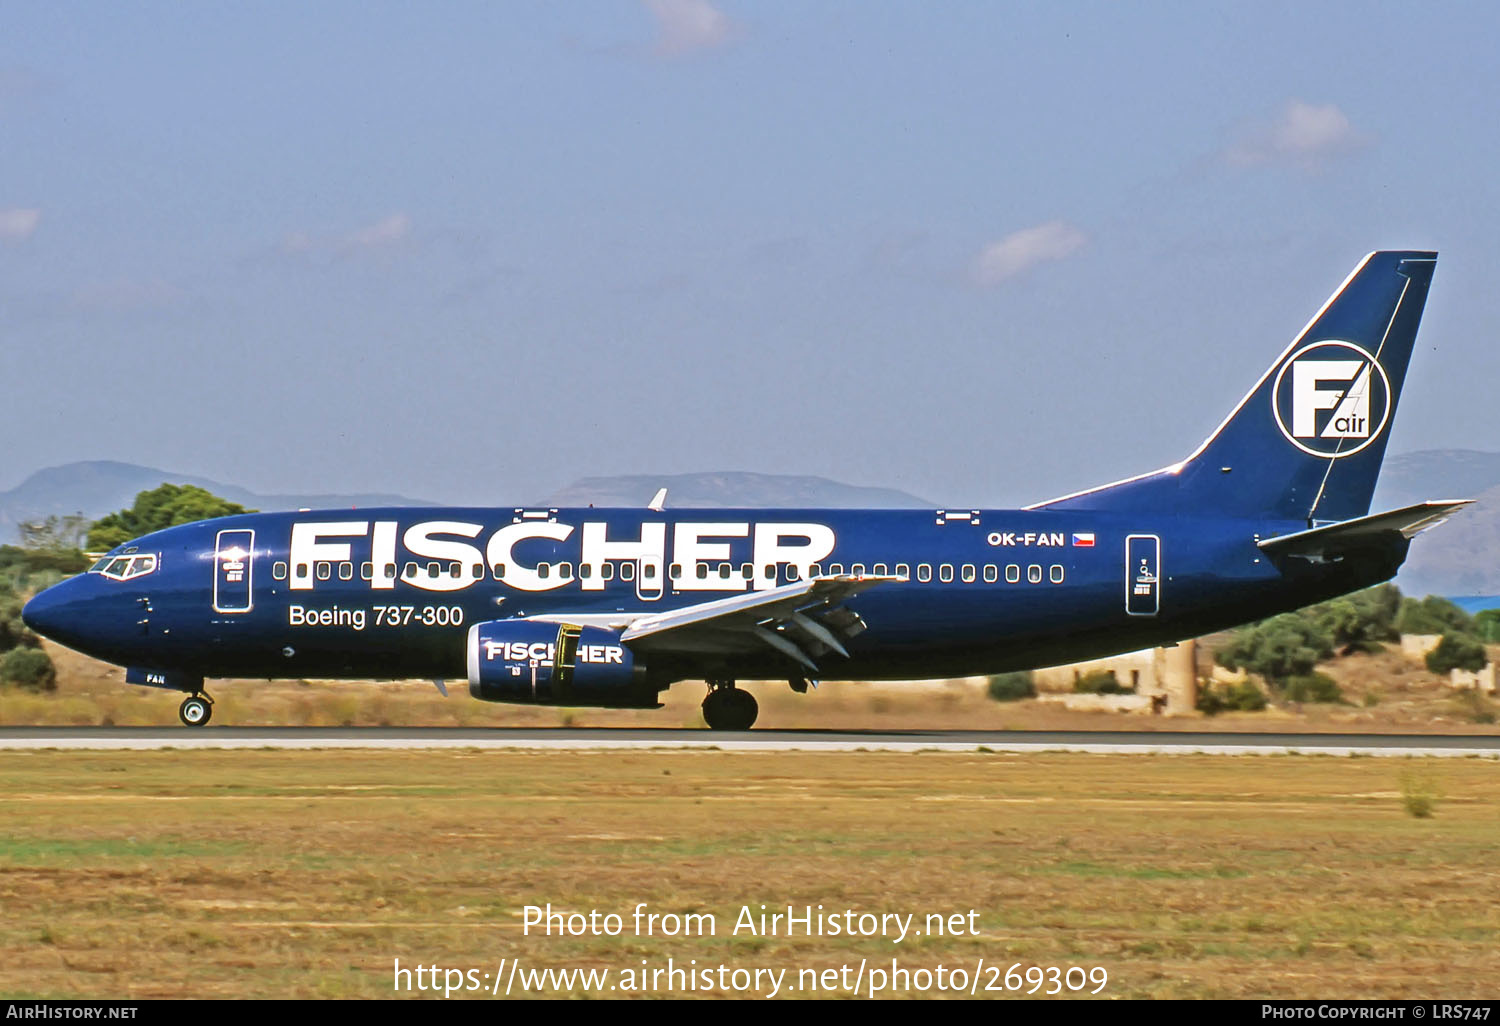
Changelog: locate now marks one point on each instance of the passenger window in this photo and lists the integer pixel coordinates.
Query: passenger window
(278, 571)
(544, 571)
(303, 570)
(367, 571)
(857, 569)
(676, 571)
(770, 571)
(924, 572)
(390, 571)
(903, 571)
(967, 574)
(325, 571)
(648, 572)
(945, 573)
(585, 571)
(726, 570)
(346, 571)
(1034, 574)
(748, 571)
(815, 571)
(702, 571)
(565, 571)
(791, 573)
(1012, 574)
(499, 571)
(627, 571)
(879, 570)
(1056, 574)
(478, 572)
(836, 569)
(433, 569)
(410, 570)
(607, 571)
(991, 573)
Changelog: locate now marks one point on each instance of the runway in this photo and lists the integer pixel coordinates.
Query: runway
(1160, 742)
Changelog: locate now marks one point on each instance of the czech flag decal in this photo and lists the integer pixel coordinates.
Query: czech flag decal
(1083, 541)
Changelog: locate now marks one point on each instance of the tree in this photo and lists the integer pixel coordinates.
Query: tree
(1284, 646)
(1360, 622)
(1487, 625)
(1432, 615)
(160, 508)
(1457, 651)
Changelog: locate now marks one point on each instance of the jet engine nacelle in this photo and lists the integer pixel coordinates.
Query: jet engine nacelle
(554, 664)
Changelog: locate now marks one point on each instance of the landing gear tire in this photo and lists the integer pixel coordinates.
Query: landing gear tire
(195, 710)
(729, 708)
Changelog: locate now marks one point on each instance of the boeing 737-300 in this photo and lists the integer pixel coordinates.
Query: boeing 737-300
(609, 607)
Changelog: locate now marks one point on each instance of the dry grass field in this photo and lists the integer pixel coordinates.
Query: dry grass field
(1384, 692)
(285, 874)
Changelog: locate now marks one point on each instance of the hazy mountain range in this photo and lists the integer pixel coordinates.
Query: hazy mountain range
(1460, 557)
(97, 487)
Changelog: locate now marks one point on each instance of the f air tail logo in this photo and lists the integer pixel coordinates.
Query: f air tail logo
(1331, 399)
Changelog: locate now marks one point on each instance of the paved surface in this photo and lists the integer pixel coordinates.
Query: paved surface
(756, 740)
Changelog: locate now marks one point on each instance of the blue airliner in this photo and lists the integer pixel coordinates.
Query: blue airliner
(609, 607)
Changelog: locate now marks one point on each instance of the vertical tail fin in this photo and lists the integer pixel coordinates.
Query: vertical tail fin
(1307, 442)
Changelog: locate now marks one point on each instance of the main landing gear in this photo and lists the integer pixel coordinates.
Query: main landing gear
(196, 710)
(729, 708)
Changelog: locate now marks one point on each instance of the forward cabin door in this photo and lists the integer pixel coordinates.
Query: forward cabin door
(234, 572)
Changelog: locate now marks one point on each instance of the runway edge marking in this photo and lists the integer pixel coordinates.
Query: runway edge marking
(721, 743)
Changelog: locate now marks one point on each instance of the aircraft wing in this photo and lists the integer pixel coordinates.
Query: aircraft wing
(804, 620)
(1335, 539)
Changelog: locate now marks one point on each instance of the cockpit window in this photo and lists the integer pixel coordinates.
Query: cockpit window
(123, 568)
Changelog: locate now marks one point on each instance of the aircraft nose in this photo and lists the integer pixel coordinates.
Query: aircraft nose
(53, 613)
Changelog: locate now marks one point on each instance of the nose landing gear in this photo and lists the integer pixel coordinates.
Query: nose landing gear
(729, 708)
(196, 710)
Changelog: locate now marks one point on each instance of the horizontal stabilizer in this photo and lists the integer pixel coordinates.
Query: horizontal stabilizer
(1334, 539)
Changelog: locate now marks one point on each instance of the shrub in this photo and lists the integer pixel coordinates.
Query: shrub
(1009, 687)
(1100, 682)
(29, 668)
(1313, 687)
(1242, 697)
(1457, 651)
(13, 632)
(1419, 793)
(1475, 706)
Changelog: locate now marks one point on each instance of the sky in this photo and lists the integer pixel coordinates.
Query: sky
(986, 253)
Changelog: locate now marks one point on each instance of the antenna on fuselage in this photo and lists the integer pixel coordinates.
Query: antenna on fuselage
(658, 501)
